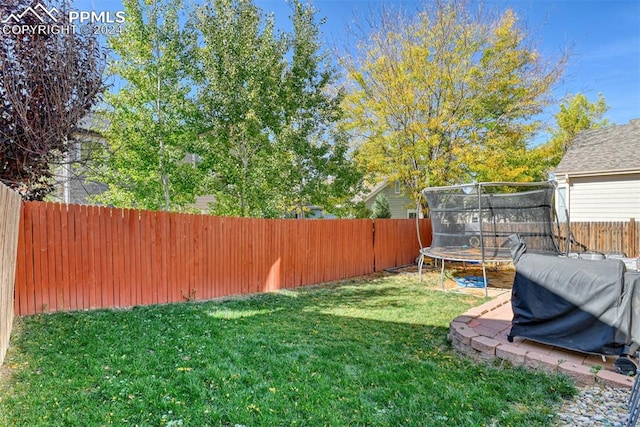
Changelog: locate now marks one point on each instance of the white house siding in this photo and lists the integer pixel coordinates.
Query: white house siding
(604, 198)
(72, 185)
(202, 203)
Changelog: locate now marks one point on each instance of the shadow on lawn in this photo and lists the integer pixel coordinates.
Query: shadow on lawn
(367, 353)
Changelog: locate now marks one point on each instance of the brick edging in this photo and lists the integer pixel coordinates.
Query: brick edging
(465, 340)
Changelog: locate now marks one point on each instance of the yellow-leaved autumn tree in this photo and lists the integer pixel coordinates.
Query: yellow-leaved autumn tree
(576, 114)
(446, 96)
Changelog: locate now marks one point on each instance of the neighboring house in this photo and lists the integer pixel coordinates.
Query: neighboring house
(203, 203)
(401, 205)
(599, 175)
(73, 186)
(313, 212)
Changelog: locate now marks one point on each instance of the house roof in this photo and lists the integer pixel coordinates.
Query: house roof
(92, 124)
(373, 192)
(604, 151)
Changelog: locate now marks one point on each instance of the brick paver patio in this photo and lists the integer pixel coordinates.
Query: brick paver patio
(482, 334)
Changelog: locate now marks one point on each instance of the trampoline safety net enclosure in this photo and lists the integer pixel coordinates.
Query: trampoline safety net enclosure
(471, 222)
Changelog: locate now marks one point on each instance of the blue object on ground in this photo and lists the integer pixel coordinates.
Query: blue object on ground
(471, 281)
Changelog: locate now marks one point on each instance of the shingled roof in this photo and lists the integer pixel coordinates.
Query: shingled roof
(612, 149)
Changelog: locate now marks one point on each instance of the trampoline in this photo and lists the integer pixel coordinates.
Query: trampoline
(471, 222)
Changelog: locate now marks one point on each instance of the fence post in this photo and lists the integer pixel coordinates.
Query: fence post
(10, 204)
(632, 238)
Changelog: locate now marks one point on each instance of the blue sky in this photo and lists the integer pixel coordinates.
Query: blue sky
(604, 37)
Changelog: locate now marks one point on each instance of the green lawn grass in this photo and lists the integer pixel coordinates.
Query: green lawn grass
(357, 353)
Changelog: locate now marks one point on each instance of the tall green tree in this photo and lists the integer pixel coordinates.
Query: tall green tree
(224, 104)
(445, 96)
(239, 93)
(318, 170)
(147, 161)
(268, 112)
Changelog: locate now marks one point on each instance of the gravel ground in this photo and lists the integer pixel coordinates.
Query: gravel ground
(595, 407)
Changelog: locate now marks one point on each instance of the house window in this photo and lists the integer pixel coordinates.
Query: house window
(561, 204)
(396, 188)
(195, 159)
(74, 152)
(411, 213)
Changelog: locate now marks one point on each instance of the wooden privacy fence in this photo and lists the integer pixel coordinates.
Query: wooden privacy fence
(73, 257)
(396, 241)
(622, 237)
(9, 225)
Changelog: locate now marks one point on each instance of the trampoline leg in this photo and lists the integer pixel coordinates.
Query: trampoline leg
(420, 263)
(634, 412)
(484, 276)
(442, 274)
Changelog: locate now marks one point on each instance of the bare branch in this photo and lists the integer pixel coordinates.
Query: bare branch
(48, 83)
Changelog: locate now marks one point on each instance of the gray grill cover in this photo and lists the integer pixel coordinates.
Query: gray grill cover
(590, 306)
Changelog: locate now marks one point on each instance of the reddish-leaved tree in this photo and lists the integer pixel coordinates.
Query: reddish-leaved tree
(50, 77)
